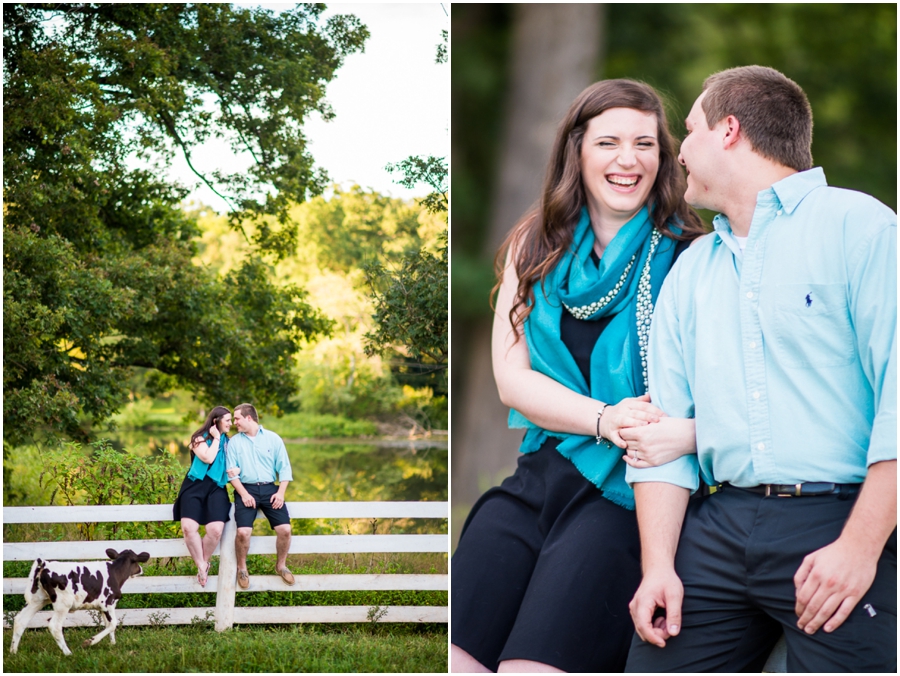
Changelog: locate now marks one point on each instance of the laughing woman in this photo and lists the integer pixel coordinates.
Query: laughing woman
(203, 498)
(548, 561)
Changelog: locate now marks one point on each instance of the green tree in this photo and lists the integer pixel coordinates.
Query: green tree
(357, 226)
(98, 273)
(411, 298)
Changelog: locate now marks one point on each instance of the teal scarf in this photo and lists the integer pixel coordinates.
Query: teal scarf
(591, 291)
(216, 469)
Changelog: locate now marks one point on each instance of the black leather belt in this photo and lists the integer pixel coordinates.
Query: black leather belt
(260, 483)
(806, 489)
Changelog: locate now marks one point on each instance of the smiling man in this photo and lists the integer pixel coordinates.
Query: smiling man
(777, 333)
(256, 458)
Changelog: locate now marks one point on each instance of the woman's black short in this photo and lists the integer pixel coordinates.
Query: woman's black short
(203, 501)
(544, 571)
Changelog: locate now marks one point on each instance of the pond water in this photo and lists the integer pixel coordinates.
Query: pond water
(334, 469)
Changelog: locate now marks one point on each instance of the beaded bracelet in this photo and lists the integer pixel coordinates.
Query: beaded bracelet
(600, 438)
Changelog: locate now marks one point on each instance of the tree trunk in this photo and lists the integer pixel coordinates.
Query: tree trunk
(556, 53)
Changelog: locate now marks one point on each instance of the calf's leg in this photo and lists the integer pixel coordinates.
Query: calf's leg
(56, 628)
(35, 603)
(110, 629)
(107, 618)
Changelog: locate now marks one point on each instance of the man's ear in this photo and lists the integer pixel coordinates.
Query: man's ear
(732, 128)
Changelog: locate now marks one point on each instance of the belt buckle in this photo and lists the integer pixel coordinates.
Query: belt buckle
(797, 492)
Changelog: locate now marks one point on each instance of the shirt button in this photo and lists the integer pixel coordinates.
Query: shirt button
(752, 344)
(756, 395)
(761, 446)
(749, 294)
(779, 212)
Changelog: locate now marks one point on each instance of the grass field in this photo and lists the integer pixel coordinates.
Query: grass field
(296, 648)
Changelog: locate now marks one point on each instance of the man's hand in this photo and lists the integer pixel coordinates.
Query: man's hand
(658, 590)
(832, 580)
(277, 500)
(829, 583)
(248, 500)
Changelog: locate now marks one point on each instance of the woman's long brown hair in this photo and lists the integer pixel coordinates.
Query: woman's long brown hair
(212, 419)
(544, 233)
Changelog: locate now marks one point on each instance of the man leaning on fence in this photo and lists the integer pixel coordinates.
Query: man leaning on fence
(777, 333)
(256, 457)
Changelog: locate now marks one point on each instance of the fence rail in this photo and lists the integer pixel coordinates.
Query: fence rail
(225, 613)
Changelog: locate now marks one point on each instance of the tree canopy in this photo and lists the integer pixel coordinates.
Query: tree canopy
(98, 272)
(411, 298)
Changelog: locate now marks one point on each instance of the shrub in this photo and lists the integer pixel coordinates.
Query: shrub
(110, 477)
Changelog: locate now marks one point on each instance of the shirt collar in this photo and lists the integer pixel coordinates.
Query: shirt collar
(789, 192)
(794, 188)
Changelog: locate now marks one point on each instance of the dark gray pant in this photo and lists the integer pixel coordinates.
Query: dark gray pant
(737, 558)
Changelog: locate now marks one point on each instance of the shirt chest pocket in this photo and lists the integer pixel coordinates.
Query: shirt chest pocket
(811, 325)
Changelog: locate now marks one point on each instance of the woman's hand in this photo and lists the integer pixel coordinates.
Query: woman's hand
(659, 443)
(628, 413)
(214, 432)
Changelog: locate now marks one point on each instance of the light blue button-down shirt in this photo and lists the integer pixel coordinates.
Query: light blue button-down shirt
(261, 458)
(785, 354)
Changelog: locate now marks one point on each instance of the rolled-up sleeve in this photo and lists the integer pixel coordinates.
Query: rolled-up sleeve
(873, 307)
(231, 454)
(282, 462)
(669, 387)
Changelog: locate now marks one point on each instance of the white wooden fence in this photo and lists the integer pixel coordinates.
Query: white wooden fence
(223, 584)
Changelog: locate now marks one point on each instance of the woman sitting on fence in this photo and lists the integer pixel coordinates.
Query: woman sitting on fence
(203, 498)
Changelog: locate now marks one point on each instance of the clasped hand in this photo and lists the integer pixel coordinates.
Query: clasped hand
(630, 412)
(649, 436)
(659, 443)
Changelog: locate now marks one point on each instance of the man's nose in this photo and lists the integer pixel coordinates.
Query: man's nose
(681, 159)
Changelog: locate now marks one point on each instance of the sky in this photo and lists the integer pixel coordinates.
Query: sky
(390, 102)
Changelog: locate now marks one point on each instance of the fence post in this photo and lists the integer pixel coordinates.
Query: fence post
(225, 590)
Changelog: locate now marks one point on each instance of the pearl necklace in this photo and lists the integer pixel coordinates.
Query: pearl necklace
(644, 301)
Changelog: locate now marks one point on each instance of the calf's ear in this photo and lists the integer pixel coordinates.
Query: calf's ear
(112, 553)
(143, 557)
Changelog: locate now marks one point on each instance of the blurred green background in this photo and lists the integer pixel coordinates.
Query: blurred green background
(515, 70)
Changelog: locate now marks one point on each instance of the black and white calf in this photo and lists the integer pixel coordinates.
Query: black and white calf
(70, 585)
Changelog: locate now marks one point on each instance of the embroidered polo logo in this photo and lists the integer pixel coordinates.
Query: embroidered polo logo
(808, 299)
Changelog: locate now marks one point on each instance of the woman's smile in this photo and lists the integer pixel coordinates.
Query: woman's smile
(623, 182)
